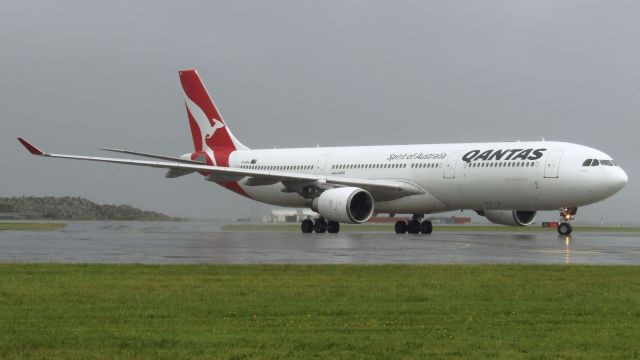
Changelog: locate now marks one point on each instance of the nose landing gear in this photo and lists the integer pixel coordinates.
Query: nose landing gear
(566, 214)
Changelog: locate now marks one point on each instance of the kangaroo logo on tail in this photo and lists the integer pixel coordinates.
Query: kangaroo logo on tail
(205, 128)
(208, 129)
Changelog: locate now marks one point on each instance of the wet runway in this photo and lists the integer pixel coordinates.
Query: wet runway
(205, 242)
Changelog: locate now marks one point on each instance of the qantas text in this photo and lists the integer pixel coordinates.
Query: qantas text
(504, 154)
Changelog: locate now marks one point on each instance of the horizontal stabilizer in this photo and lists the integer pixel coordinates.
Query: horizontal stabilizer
(174, 173)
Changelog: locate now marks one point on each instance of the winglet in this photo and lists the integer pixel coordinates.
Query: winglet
(32, 149)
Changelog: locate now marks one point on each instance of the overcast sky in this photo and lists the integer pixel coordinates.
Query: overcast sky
(79, 75)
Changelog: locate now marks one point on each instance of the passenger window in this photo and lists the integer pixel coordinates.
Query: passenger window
(595, 162)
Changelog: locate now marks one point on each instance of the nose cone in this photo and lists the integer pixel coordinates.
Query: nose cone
(617, 180)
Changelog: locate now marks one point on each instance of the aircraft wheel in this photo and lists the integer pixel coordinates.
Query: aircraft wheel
(306, 226)
(426, 227)
(564, 229)
(320, 226)
(401, 227)
(333, 227)
(413, 227)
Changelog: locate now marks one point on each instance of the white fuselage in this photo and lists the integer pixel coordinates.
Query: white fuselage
(477, 176)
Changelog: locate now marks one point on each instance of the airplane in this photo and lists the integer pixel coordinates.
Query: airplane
(506, 182)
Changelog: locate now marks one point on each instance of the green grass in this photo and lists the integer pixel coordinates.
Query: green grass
(322, 311)
(31, 226)
(436, 228)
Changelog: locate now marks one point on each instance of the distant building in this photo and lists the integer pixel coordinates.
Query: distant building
(289, 215)
(386, 219)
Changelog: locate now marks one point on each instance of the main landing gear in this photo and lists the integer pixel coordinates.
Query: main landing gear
(319, 226)
(566, 214)
(414, 226)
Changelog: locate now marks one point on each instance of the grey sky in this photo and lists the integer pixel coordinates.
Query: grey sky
(78, 75)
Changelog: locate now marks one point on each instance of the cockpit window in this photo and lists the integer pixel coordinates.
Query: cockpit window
(596, 162)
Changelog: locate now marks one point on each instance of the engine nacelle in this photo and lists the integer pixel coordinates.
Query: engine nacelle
(509, 217)
(346, 205)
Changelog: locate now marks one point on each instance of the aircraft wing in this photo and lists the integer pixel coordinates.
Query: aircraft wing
(383, 187)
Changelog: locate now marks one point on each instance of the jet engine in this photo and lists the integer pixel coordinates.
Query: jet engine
(345, 205)
(509, 217)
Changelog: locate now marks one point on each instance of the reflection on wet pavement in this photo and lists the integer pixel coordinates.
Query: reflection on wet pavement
(204, 242)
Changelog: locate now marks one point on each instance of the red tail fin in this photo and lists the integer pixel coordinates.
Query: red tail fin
(209, 131)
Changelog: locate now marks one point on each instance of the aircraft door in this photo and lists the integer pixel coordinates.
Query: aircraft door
(450, 166)
(553, 164)
(322, 163)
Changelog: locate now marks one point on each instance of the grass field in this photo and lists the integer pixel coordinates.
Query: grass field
(321, 311)
(436, 228)
(30, 226)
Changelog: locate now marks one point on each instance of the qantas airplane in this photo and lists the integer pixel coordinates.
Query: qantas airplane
(507, 182)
